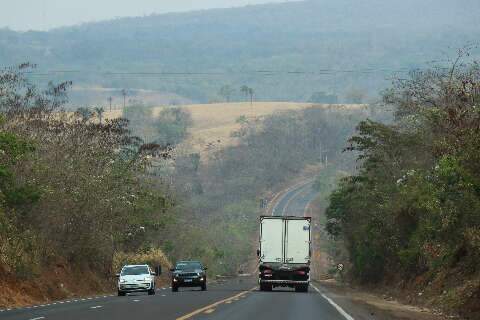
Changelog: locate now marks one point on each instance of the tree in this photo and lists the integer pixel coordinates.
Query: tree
(99, 111)
(84, 113)
(412, 208)
(70, 191)
(226, 92)
(110, 99)
(124, 94)
(172, 126)
(248, 92)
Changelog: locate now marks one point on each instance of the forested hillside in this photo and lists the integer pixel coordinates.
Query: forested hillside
(410, 215)
(283, 51)
(222, 195)
(75, 196)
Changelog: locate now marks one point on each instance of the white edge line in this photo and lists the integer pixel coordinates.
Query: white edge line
(336, 306)
(295, 194)
(38, 318)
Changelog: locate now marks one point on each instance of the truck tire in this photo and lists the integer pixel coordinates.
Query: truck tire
(151, 292)
(174, 289)
(204, 287)
(265, 287)
(121, 293)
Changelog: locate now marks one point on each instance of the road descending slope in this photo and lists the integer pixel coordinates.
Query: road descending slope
(233, 299)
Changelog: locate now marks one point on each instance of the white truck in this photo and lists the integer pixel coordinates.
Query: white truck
(284, 253)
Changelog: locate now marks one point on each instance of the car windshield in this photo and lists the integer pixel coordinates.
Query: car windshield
(188, 266)
(134, 271)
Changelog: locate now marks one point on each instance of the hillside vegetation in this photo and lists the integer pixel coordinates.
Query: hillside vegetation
(411, 214)
(74, 194)
(222, 195)
(212, 124)
(285, 52)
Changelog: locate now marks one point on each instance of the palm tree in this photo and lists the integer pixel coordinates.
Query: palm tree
(99, 111)
(248, 92)
(124, 94)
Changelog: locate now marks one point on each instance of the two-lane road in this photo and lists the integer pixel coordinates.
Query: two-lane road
(234, 299)
(294, 201)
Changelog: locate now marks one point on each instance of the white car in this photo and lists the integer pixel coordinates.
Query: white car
(136, 278)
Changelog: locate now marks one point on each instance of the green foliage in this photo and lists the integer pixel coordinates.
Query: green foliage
(172, 126)
(232, 180)
(414, 205)
(70, 190)
(168, 129)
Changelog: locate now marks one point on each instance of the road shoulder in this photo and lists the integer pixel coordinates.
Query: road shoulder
(365, 305)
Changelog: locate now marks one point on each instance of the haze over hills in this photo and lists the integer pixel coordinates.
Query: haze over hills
(284, 51)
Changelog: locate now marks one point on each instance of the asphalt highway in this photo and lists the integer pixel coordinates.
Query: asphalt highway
(232, 299)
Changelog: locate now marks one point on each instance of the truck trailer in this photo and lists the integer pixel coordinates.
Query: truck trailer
(284, 252)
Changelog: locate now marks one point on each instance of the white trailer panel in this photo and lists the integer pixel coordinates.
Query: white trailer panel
(285, 240)
(297, 241)
(271, 241)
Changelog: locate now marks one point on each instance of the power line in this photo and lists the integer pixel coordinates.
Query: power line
(321, 72)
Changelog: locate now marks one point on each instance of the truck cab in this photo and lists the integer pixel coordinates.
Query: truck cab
(284, 252)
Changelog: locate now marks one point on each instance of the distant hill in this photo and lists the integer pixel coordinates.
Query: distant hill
(286, 51)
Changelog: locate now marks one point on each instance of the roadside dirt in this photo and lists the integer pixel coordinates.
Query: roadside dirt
(59, 283)
(56, 284)
(366, 305)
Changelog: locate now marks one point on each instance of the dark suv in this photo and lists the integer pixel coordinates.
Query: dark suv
(189, 274)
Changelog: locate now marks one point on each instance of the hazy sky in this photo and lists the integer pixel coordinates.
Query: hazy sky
(47, 14)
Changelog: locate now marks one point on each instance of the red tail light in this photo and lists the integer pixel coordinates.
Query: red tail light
(300, 272)
(267, 271)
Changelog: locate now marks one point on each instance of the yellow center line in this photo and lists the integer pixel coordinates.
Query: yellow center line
(209, 311)
(213, 305)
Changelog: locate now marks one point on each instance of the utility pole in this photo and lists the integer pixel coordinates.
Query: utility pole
(110, 102)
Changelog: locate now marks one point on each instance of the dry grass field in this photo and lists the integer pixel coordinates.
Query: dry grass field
(214, 123)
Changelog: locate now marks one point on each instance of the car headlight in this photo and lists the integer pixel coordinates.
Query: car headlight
(146, 279)
(123, 280)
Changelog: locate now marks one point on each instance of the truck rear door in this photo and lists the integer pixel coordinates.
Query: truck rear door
(271, 241)
(297, 241)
